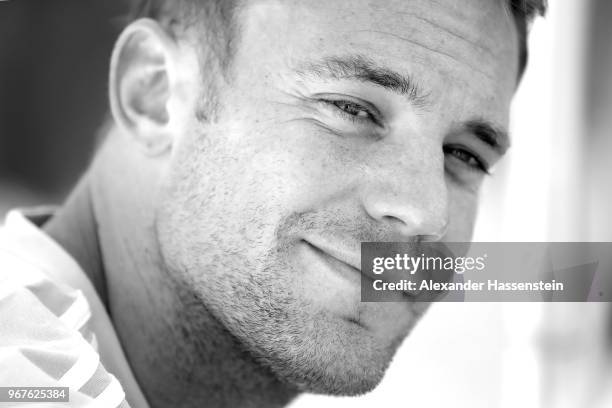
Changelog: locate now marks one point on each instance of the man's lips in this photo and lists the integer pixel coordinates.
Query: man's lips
(348, 262)
(347, 257)
(339, 265)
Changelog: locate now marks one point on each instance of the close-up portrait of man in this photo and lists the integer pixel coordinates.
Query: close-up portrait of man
(209, 256)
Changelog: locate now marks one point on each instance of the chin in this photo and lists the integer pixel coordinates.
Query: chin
(346, 387)
(335, 357)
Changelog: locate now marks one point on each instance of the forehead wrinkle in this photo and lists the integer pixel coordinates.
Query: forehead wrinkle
(430, 49)
(455, 18)
(450, 32)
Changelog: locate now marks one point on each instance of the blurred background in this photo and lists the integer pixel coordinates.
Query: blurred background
(556, 185)
(54, 57)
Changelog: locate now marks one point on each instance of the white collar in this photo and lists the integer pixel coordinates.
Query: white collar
(50, 257)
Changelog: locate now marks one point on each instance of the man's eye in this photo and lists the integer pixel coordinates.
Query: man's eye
(473, 161)
(353, 111)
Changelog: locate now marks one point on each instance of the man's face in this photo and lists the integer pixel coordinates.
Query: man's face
(343, 122)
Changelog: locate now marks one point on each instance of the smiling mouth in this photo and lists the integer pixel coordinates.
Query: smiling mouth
(348, 265)
(347, 270)
(344, 264)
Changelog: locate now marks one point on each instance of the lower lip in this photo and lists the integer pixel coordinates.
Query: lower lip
(346, 280)
(352, 279)
(350, 273)
(344, 270)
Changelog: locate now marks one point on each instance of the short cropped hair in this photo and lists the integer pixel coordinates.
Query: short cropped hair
(215, 18)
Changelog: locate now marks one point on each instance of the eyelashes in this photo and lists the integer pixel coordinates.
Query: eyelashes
(357, 112)
(365, 114)
(472, 160)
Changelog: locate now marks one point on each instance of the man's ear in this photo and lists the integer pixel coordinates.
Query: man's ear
(147, 90)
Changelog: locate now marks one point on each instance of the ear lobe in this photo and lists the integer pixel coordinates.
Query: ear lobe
(141, 84)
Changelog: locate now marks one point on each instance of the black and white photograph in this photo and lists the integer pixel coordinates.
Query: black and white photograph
(321, 203)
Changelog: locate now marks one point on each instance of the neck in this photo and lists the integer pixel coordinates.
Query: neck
(74, 227)
(179, 353)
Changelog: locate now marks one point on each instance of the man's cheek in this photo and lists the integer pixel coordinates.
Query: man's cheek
(300, 167)
(463, 207)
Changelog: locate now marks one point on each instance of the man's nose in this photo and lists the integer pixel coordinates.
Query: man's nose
(410, 200)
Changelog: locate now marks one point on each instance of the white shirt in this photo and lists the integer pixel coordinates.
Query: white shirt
(54, 330)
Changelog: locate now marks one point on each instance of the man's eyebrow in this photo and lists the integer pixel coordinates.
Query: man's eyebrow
(364, 69)
(494, 136)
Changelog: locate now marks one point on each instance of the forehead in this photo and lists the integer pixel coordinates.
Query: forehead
(451, 45)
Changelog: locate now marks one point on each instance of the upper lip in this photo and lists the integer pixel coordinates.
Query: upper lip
(342, 254)
(352, 258)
